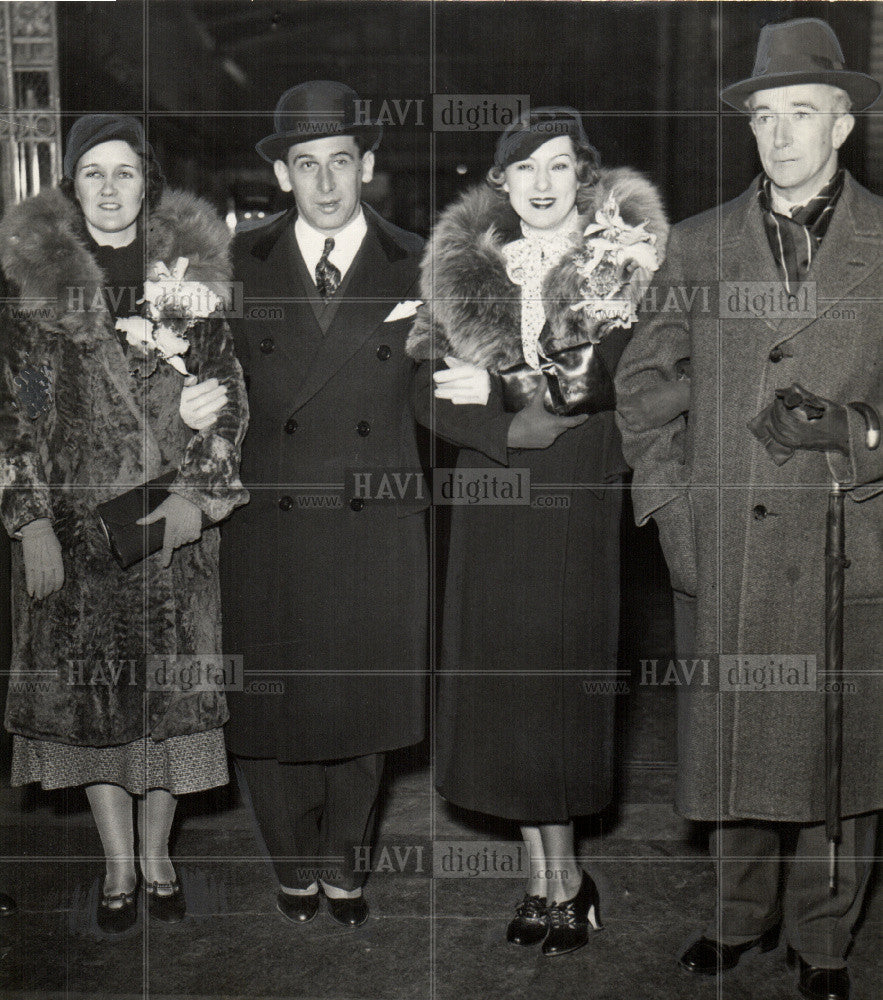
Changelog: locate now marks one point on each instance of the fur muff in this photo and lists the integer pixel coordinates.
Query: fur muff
(101, 431)
(472, 310)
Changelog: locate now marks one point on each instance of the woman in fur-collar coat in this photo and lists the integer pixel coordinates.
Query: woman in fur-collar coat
(529, 635)
(85, 415)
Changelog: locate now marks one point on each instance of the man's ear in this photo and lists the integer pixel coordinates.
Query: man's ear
(367, 167)
(842, 127)
(281, 171)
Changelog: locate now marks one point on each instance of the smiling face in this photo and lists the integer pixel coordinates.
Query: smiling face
(798, 131)
(326, 178)
(109, 185)
(542, 189)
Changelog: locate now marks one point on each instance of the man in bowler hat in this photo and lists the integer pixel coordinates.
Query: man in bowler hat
(325, 574)
(785, 356)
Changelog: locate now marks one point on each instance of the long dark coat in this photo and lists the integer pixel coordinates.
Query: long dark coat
(326, 597)
(747, 536)
(79, 668)
(526, 702)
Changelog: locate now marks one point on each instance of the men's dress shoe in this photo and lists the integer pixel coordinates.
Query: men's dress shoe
(569, 921)
(7, 905)
(530, 923)
(299, 908)
(117, 919)
(167, 906)
(351, 911)
(816, 983)
(707, 957)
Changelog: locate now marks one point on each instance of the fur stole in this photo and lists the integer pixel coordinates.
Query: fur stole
(43, 248)
(473, 311)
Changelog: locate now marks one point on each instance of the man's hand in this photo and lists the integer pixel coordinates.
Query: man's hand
(462, 383)
(655, 407)
(798, 419)
(200, 402)
(183, 524)
(44, 569)
(535, 427)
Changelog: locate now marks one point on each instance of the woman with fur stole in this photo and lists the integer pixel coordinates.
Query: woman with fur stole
(552, 253)
(89, 409)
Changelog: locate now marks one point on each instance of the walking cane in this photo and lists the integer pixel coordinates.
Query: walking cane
(835, 564)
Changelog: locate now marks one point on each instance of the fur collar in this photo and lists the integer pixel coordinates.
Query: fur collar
(43, 247)
(473, 311)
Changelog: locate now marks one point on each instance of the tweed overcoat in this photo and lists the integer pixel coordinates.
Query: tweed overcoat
(530, 627)
(96, 430)
(746, 536)
(326, 592)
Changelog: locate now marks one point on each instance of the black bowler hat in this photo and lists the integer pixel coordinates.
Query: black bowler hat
(315, 110)
(803, 50)
(535, 127)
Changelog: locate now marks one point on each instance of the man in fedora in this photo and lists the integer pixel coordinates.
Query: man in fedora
(783, 337)
(325, 573)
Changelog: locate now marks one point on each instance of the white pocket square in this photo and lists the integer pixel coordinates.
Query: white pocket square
(404, 310)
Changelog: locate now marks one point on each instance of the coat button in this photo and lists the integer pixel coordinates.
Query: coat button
(760, 512)
(286, 503)
(384, 352)
(267, 345)
(364, 428)
(290, 425)
(776, 355)
(356, 504)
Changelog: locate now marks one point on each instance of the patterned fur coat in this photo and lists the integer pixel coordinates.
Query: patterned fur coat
(80, 656)
(475, 309)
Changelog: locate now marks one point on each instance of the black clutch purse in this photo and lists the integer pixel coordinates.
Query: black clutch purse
(577, 381)
(130, 542)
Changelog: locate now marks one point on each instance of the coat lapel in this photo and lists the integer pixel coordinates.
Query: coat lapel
(374, 289)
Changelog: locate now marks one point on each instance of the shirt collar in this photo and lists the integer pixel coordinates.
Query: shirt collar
(311, 242)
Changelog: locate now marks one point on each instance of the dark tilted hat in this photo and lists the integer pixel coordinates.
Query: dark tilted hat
(524, 136)
(804, 50)
(315, 110)
(91, 130)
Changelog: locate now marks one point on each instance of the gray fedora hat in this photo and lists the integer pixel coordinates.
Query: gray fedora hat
(803, 50)
(315, 110)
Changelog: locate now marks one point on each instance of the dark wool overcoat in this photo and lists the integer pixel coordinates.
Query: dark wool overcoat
(747, 536)
(79, 666)
(325, 592)
(525, 709)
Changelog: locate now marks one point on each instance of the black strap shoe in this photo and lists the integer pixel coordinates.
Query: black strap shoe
(167, 905)
(530, 923)
(114, 919)
(569, 921)
(351, 911)
(817, 983)
(707, 957)
(299, 908)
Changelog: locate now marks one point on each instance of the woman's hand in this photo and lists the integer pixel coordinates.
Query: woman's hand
(183, 524)
(44, 569)
(462, 383)
(535, 427)
(201, 402)
(649, 408)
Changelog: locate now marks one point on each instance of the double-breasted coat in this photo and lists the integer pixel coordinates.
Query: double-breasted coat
(78, 427)
(529, 635)
(746, 536)
(325, 591)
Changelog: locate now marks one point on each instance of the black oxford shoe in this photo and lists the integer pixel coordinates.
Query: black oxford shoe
(706, 957)
(530, 923)
(300, 908)
(816, 983)
(351, 911)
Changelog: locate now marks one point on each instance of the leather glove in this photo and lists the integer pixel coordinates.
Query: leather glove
(183, 524)
(462, 383)
(201, 402)
(535, 427)
(799, 420)
(44, 568)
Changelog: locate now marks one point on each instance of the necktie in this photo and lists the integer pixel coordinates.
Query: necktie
(327, 275)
